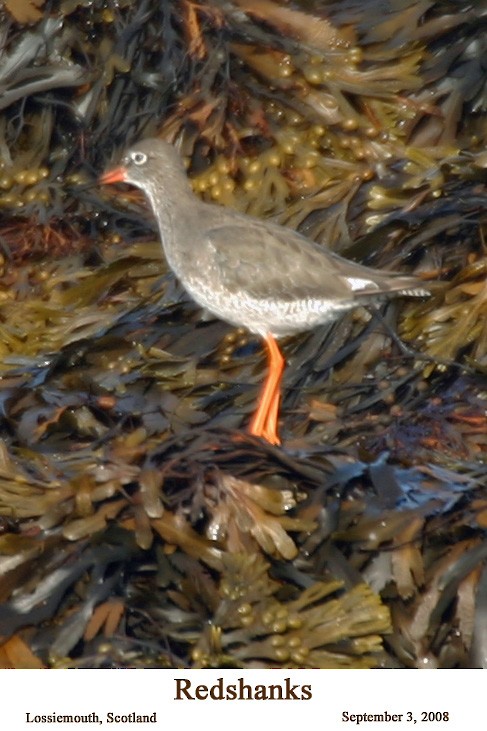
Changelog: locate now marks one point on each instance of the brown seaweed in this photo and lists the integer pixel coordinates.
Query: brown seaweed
(139, 525)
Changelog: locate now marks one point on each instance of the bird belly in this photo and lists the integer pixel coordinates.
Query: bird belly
(277, 316)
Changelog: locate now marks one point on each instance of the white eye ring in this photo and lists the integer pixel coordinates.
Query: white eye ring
(138, 158)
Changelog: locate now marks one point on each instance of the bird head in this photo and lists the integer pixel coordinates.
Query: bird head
(149, 162)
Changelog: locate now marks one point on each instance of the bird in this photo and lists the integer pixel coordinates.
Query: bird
(247, 271)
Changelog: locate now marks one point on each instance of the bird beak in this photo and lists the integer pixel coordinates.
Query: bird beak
(117, 175)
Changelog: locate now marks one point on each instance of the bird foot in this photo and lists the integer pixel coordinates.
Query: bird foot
(267, 433)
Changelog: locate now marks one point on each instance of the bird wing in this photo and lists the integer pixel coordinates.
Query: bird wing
(267, 260)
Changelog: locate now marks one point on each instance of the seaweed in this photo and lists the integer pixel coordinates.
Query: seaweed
(140, 526)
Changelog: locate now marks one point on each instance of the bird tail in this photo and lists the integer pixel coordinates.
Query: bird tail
(400, 286)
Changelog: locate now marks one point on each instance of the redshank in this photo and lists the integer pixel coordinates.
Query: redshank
(249, 272)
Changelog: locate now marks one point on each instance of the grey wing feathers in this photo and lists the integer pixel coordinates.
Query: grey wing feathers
(267, 260)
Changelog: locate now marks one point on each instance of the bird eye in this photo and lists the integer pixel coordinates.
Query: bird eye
(138, 158)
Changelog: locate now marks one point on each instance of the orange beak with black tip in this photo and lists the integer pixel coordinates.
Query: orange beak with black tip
(117, 175)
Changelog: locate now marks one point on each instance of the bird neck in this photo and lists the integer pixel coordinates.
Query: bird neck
(173, 212)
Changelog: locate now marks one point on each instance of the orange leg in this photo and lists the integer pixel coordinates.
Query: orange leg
(270, 427)
(264, 422)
